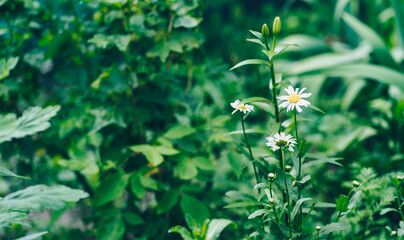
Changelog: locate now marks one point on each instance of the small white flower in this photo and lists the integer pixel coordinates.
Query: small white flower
(294, 99)
(281, 140)
(237, 105)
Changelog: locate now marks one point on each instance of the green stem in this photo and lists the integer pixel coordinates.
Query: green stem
(274, 99)
(399, 204)
(299, 175)
(249, 149)
(287, 191)
(308, 214)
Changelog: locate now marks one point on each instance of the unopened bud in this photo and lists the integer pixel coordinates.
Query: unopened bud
(393, 233)
(265, 31)
(294, 184)
(356, 183)
(271, 176)
(287, 167)
(276, 26)
(400, 177)
(318, 228)
(271, 200)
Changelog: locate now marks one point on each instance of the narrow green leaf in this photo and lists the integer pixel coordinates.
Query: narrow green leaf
(386, 210)
(242, 204)
(215, 227)
(251, 61)
(32, 236)
(258, 35)
(297, 206)
(334, 227)
(185, 234)
(257, 213)
(8, 173)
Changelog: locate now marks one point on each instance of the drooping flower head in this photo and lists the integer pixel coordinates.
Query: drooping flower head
(294, 99)
(281, 140)
(238, 106)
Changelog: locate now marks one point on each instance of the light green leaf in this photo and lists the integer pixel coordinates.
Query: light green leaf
(42, 197)
(334, 227)
(187, 169)
(111, 188)
(7, 66)
(150, 152)
(215, 227)
(166, 150)
(179, 131)
(251, 61)
(257, 213)
(204, 163)
(185, 234)
(103, 41)
(149, 183)
(112, 229)
(342, 203)
(33, 120)
(386, 210)
(187, 21)
(12, 216)
(32, 236)
(3, 2)
(132, 218)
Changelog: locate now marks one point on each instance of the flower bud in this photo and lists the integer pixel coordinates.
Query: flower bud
(318, 228)
(287, 167)
(294, 184)
(271, 176)
(401, 177)
(271, 200)
(393, 233)
(356, 183)
(265, 31)
(276, 26)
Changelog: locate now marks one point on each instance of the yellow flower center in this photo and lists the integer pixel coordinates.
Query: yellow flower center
(281, 143)
(294, 98)
(241, 107)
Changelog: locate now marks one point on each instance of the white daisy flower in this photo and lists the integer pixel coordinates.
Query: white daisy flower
(237, 105)
(280, 141)
(294, 99)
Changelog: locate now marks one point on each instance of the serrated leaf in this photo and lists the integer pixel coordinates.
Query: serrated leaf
(251, 61)
(297, 206)
(12, 216)
(33, 120)
(257, 213)
(42, 197)
(215, 227)
(32, 236)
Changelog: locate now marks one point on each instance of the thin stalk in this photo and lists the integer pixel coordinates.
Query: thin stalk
(270, 188)
(318, 232)
(399, 204)
(308, 214)
(299, 174)
(287, 191)
(249, 149)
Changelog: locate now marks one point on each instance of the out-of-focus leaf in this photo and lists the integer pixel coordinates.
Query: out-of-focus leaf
(187, 21)
(215, 227)
(168, 201)
(132, 218)
(257, 213)
(185, 234)
(8, 173)
(195, 208)
(297, 206)
(242, 204)
(42, 197)
(12, 216)
(32, 236)
(334, 227)
(342, 203)
(179, 131)
(7, 66)
(111, 188)
(187, 169)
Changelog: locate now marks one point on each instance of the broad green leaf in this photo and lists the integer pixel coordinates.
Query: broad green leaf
(132, 219)
(150, 152)
(258, 35)
(149, 183)
(33, 120)
(137, 188)
(334, 227)
(342, 203)
(187, 169)
(186, 21)
(8, 173)
(111, 188)
(399, 15)
(203, 163)
(166, 150)
(257, 213)
(215, 227)
(179, 131)
(251, 61)
(381, 52)
(185, 234)
(297, 206)
(32, 236)
(7, 66)
(195, 208)
(192, 224)
(103, 41)
(282, 48)
(112, 229)
(42, 197)
(168, 201)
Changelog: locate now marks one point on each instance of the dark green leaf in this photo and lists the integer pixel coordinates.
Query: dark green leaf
(342, 203)
(195, 208)
(168, 201)
(111, 188)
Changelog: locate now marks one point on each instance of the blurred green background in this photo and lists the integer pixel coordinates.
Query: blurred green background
(145, 91)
